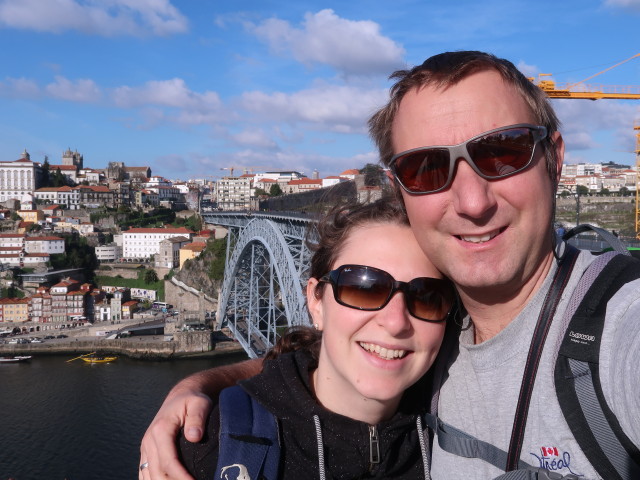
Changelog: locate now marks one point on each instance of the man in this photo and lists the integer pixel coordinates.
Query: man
(483, 214)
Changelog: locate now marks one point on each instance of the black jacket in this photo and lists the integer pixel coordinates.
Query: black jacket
(283, 388)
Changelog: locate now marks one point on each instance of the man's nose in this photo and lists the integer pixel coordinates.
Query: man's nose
(472, 195)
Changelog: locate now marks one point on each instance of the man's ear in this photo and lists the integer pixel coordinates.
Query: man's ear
(558, 145)
(390, 176)
(314, 303)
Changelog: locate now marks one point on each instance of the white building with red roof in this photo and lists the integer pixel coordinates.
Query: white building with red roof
(142, 243)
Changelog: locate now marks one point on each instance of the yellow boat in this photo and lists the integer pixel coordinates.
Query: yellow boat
(98, 359)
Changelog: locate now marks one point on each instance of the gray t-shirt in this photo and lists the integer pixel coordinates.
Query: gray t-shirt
(481, 392)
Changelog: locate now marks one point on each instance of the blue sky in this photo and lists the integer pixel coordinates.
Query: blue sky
(190, 87)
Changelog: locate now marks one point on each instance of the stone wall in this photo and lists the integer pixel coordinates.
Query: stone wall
(188, 299)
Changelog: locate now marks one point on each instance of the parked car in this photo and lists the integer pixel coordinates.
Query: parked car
(36, 340)
(62, 335)
(49, 337)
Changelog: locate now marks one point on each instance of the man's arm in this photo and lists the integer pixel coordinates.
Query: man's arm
(187, 405)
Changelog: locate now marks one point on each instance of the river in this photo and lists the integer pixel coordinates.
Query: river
(75, 421)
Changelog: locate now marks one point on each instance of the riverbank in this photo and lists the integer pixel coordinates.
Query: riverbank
(144, 348)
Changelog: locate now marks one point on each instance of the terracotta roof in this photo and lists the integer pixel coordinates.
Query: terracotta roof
(12, 235)
(352, 171)
(14, 301)
(95, 188)
(305, 181)
(195, 246)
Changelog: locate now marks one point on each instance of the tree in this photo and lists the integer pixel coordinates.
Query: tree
(582, 190)
(219, 249)
(150, 276)
(373, 175)
(261, 193)
(275, 190)
(605, 191)
(624, 191)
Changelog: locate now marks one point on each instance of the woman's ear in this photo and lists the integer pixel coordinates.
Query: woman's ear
(314, 303)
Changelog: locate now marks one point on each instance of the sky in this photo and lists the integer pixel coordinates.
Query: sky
(193, 88)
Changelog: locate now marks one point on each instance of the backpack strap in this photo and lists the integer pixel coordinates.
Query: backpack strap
(249, 446)
(577, 377)
(455, 441)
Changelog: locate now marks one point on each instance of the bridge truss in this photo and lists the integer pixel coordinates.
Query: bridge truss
(266, 270)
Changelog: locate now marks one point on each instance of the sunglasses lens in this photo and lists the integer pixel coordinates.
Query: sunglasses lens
(429, 298)
(423, 171)
(502, 153)
(363, 288)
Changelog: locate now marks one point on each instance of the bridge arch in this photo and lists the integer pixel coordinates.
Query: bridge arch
(262, 291)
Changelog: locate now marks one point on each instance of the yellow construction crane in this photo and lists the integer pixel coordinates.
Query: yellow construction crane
(589, 92)
(592, 92)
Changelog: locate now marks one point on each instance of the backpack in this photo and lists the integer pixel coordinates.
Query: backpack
(577, 380)
(249, 445)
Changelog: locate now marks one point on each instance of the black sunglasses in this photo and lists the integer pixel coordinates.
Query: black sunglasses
(495, 154)
(369, 288)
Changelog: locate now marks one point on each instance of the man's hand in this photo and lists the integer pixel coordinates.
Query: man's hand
(183, 407)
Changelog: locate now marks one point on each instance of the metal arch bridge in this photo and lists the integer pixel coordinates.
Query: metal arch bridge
(266, 269)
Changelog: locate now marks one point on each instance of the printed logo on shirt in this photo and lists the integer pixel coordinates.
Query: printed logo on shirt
(237, 471)
(554, 460)
(581, 338)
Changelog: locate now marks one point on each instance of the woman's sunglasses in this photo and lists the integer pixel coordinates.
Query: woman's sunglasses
(492, 155)
(369, 288)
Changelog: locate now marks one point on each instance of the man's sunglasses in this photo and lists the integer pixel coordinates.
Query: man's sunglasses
(369, 288)
(494, 154)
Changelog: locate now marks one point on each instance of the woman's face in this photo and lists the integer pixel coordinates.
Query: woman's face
(368, 358)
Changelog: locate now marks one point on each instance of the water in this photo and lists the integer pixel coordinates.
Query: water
(77, 421)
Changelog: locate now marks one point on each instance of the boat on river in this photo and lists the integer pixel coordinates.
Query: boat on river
(97, 359)
(15, 359)
(93, 357)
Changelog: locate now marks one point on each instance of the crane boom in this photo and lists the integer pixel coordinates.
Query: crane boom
(599, 92)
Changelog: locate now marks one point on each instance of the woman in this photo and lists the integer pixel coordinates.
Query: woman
(338, 392)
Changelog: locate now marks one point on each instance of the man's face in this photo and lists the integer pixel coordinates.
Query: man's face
(480, 233)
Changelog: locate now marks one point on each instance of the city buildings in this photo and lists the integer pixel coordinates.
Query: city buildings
(142, 243)
(20, 178)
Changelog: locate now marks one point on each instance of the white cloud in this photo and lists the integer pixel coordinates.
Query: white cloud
(624, 4)
(94, 17)
(581, 119)
(254, 138)
(337, 108)
(19, 88)
(353, 47)
(169, 93)
(82, 90)
(528, 70)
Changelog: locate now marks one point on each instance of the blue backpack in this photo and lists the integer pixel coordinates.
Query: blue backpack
(249, 445)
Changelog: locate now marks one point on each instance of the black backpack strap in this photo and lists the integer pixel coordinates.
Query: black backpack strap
(249, 446)
(577, 377)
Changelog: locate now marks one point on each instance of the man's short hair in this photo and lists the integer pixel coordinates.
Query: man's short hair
(447, 69)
